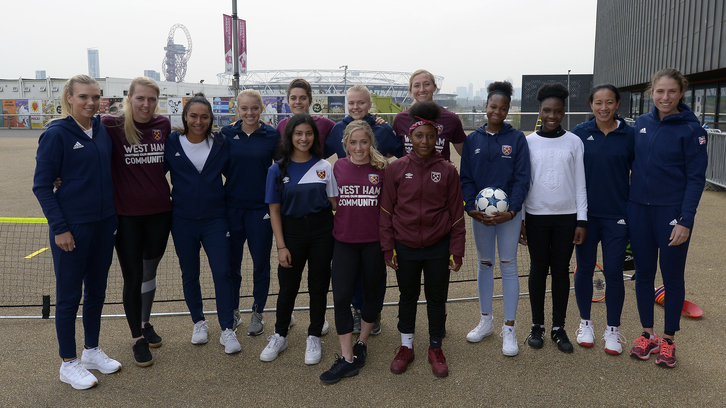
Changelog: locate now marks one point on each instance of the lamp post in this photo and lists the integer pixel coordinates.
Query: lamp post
(568, 100)
(345, 77)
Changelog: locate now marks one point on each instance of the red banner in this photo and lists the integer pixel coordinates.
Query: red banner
(228, 45)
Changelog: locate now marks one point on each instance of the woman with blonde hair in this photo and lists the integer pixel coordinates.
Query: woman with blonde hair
(82, 224)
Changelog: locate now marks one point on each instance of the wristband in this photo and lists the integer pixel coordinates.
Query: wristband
(281, 248)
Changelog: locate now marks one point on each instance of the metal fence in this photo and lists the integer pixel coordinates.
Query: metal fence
(716, 170)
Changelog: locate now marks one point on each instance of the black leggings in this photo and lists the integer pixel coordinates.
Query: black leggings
(140, 244)
(351, 260)
(549, 238)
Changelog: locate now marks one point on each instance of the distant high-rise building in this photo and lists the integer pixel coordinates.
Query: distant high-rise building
(94, 71)
(461, 92)
(40, 74)
(150, 73)
(471, 90)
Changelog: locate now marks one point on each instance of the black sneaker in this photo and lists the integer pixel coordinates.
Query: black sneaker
(340, 369)
(376, 330)
(536, 337)
(151, 336)
(360, 351)
(559, 336)
(142, 355)
(356, 321)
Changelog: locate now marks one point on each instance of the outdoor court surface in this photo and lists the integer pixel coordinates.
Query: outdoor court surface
(188, 375)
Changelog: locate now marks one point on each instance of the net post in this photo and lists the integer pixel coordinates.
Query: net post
(46, 306)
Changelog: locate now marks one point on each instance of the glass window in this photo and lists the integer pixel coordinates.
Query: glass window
(722, 107)
(699, 99)
(709, 110)
(647, 104)
(688, 96)
(635, 104)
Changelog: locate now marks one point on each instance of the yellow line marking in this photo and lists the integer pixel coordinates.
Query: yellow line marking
(23, 220)
(36, 253)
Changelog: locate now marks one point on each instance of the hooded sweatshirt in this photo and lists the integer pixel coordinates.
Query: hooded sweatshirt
(386, 139)
(670, 162)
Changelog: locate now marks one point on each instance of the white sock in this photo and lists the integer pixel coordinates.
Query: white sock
(612, 328)
(90, 351)
(68, 363)
(346, 360)
(407, 340)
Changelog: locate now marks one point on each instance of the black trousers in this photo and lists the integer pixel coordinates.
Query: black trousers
(309, 240)
(550, 249)
(434, 262)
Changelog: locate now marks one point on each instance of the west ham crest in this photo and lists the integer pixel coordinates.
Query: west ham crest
(435, 176)
(321, 174)
(507, 149)
(156, 133)
(373, 178)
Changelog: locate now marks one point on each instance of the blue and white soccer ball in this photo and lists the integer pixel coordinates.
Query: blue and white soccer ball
(491, 200)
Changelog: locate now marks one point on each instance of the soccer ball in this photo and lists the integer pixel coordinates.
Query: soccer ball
(491, 200)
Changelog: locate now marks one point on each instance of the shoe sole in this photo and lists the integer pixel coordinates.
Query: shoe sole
(586, 344)
(268, 359)
(613, 352)
(198, 343)
(313, 362)
(144, 363)
(535, 346)
(156, 345)
(351, 373)
(510, 354)
(644, 358)
(477, 339)
(401, 371)
(95, 367)
(252, 334)
(444, 374)
(664, 364)
(64, 379)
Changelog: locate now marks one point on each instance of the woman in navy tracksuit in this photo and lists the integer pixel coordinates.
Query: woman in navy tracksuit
(196, 159)
(669, 173)
(252, 148)
(608, 143)
(82, 224)
(496, 155)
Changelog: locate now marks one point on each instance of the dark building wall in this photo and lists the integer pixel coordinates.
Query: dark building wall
(634, 39)
(580, 85)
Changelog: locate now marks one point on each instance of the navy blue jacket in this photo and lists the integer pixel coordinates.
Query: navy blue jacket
(670, 162)
(386, 139)
(249, 158)
(196, 195)
(84, 166)
(500, 160)
(608, 160)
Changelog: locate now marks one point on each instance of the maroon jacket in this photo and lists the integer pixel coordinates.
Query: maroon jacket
(421, 202)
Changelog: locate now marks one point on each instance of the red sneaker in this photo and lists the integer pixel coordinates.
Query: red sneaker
(644, 346)
(438, 362)
(667, 354)
(404, 356)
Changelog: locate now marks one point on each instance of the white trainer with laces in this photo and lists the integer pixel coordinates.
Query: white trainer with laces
(326, 328)
(199, 336)
(585, 334)
(96, 359)
(614, 341)
(277, 344)
(509, 341)
(76, 375)
(313, 351)
(229, 340)
(483, 329)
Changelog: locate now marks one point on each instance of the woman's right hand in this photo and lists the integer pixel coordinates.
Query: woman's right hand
(393, 263)
(65, 241)
(284, 257)
(57, 183)
(523, 235)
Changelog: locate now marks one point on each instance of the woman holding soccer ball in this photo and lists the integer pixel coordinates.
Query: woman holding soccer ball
(608, 143)
(667, 182)
(496, 155)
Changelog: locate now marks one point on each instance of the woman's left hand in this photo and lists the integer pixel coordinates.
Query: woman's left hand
(580, 234)
(380, 121)
(453, 266)
(679, 235)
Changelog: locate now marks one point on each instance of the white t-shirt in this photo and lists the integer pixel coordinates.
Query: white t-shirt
(196, 152)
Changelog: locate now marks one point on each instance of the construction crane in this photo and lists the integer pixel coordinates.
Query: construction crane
(174, 65)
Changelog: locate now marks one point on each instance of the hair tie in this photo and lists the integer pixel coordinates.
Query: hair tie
(497, 92)
(421, 121)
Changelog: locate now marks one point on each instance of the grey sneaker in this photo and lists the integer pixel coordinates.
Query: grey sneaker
(356, 321)
(376, 330)
(237, 318)
(256, 324)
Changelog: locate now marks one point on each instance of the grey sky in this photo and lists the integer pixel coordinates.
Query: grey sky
(463, 41)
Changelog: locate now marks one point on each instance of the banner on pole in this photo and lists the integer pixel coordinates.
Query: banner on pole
(228, 45)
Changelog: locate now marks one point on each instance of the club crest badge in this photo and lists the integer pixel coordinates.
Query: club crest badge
(435, 176)
(507, 149)
(373, 178)
(156, 133)
(321, 174)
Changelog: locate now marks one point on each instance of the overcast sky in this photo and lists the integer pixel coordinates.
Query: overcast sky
(463, 41)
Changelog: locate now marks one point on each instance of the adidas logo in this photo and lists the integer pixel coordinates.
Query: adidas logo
(227, 234)
(621, 222)
(674, 222)
(177, 154)
(590, 138)
(643, 130)
(477, 151)
(409, 175)
(266, 217)
(78, 145)
(236, 137)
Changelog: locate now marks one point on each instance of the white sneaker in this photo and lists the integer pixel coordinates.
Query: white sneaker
(313, 351)
(229, 340)
(76, 375)
(326, 328)
(96, 359)
(509, 341)
(585, 334)
(614, 340)
(277, 345)
(292, 321)
(200, 332)
(483, 329)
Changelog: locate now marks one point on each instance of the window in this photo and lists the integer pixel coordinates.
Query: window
(709, 110)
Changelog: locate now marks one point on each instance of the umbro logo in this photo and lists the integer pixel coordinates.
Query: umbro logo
(266, 217)
(236, 137)
(621, 222)
(590, 138)
(177, 154)
(477, 151)
(409, 175)
(78, 145)
(643, 130)
(674, 222)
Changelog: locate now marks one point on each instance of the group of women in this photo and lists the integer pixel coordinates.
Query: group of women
(102, 182)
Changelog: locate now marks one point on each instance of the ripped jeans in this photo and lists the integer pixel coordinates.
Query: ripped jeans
(506, 237)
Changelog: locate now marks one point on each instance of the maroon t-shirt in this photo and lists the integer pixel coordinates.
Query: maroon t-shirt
(453, 131)
(324, 125)
(359, 188)
(139, 180)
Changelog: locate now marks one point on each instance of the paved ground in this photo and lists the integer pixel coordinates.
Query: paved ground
(188, 375)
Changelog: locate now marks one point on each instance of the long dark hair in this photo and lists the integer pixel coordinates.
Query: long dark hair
(198, 98)
(286, 147)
